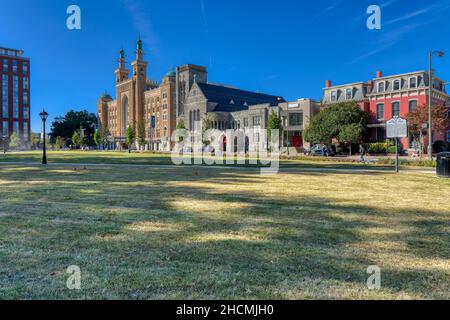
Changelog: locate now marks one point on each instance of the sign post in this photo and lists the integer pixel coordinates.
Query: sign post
(396, 128)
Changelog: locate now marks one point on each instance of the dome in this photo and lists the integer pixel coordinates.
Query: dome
(106, 96)
(172, 74)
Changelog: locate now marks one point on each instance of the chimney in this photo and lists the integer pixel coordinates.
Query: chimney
(328, 84)
(379, 74)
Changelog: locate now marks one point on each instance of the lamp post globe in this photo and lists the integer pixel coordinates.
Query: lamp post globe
(44, 116)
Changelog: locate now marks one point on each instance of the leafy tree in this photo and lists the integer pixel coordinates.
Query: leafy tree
(76, 140)
(141, 134)
(206, 125)
(105, 136)
(351, 134)
(274, 123)
(14, 141)
(419, 116)
(130, 136)
(66, 126)
(58, 143)
(180, 125)
(332, 120)
(97, 138)
(35, 140)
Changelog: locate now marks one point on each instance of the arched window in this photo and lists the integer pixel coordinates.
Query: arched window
(124, 114)
(397, 85)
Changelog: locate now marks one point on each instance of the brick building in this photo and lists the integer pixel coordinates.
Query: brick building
(185, 94)
(15, 95)
(387, 96)
(140, 102)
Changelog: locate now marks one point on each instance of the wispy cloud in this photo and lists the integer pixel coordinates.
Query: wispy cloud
(387, 41)
(412, 14)
(205, 19)
(327, 9)
(382, 6)
(388, 3)
(142, 23)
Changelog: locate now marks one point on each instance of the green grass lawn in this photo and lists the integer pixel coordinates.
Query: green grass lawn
(205, 233)
(136, 158)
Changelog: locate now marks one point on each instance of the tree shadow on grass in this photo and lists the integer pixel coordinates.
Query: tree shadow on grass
(156, 238)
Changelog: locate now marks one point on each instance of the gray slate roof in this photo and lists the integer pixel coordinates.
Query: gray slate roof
(233, 100)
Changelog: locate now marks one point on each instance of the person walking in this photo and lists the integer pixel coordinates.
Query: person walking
(362, 152)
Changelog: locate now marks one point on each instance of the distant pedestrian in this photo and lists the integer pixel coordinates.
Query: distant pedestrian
(322, 150)
(362, 152)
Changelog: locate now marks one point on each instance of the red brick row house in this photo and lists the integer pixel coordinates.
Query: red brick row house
(387, 96)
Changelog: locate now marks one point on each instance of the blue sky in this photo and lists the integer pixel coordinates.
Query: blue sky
(283, 47)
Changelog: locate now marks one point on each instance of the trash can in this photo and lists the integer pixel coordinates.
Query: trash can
(443, 165)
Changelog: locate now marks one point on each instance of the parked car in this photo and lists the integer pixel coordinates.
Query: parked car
(320, 150)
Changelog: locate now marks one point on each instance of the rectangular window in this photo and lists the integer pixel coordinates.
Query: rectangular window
(396, 109)
(26, 113)
(333, 96)
(16, 97)
(412, 105)
(413, 83)
(5, 128)
(16, 127)
(381, 87)
(5, 65)
(380, 111)
(245, 122)
(25, 98)
(15, 66)
(25, 131)
(256, 121)
(5, 100)
(397, 85)
(26, 84)
(25, 68)
(448, 136)
(295, 119)
(348, 94)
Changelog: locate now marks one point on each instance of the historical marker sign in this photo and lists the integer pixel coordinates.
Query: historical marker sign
(397, 128)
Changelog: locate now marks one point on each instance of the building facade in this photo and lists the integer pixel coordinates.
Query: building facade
(140, 102)
(385, 97)
(185, 94)
(15, 97)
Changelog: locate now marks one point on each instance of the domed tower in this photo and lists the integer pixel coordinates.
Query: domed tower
(170, 76)
(102, 107)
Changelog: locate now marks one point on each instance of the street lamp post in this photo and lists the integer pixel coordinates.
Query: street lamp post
(44, 116)
(430, 96)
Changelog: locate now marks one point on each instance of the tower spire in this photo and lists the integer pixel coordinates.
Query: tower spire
(139, 51)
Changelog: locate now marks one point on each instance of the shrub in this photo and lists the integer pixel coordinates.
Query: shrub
(377, 147)
(391, 149)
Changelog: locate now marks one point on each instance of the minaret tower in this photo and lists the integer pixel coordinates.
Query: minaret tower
(122, 73)
(139, 84)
